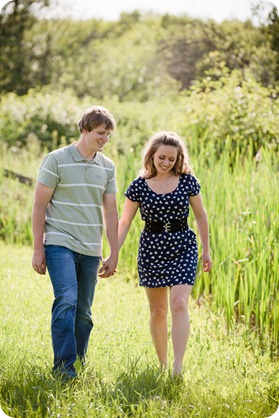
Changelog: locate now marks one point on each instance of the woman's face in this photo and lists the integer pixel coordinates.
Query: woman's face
(165, 158)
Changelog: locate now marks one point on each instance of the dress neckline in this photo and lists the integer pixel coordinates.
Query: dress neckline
(163, 194)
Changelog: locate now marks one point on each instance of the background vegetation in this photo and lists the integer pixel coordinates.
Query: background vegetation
(216, 84)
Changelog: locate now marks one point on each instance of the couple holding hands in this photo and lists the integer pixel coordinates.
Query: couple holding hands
(75, 197)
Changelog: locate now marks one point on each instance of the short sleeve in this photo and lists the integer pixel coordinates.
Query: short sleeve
(133, 192)
(195, 186)
(111, 186)
(48, 173)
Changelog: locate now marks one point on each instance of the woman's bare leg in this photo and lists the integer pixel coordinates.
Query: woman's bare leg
(158, 304)
(179, 297)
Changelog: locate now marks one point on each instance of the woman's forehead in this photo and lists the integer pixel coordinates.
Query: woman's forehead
(166, 149)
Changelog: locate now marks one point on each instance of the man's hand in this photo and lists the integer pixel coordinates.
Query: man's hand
(39, 261)
(108, 267)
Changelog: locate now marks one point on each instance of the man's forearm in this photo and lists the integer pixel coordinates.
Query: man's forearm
(38, 226)
(112, 241)
(111, 227)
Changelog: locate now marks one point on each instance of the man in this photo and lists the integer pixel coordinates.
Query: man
(74, 196)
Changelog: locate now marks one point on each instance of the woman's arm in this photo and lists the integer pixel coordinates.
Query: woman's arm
(202, 222)
(129, 212)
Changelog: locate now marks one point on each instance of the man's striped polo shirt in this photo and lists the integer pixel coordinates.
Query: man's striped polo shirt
(74, 215)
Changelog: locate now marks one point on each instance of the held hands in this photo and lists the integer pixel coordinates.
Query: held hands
(108, 267)
(206, 262)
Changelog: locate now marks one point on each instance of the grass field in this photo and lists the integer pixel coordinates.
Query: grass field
(226, 374)
(243, 211)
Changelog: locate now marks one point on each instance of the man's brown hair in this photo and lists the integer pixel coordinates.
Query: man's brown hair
(96, 116)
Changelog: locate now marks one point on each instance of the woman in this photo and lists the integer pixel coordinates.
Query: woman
(168, 256)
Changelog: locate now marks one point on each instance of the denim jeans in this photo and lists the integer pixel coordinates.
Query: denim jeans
(73, 277)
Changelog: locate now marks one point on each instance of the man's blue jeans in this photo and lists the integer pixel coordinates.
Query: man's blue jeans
(73, 277)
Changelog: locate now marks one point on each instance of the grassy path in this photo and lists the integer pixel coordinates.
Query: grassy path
(225, 375)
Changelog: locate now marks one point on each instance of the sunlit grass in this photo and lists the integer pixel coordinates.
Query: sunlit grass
(226, 375)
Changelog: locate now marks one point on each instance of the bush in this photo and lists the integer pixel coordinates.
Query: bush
(50, 117)
(230, 112)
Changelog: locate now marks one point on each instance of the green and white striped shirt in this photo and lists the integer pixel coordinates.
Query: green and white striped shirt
(74, 215)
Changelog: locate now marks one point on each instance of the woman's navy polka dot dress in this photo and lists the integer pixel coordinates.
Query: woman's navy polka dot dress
(167, 258)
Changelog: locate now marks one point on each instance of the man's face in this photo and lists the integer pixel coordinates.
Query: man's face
(97, 138)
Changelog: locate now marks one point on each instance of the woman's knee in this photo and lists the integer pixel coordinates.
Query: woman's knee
(158, 313)
(179, 305)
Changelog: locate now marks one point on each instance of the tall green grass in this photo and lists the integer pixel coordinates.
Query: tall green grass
(243, 211)
(240, 194)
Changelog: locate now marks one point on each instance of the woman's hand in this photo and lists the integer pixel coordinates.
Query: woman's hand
(206, 262)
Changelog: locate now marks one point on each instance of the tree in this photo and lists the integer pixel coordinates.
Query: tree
(273, 31)
(15, 19)
(198, 46)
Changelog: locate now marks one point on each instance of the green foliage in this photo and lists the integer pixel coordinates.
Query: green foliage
(16, 198)
(229, 110)
(244, 233)
(118, 65)
(273, 31)
(230, 115)
(17, 56)
(50, 118)
(150, 57)
(193, 47)
(137, 58)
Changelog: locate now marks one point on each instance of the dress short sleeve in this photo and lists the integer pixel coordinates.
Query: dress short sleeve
(195, 186)
(134, 190)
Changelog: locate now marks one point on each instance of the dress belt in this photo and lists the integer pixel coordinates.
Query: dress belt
(171, 225)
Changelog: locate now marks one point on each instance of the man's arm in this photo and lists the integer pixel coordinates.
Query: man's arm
(110, 215)
(42, 197)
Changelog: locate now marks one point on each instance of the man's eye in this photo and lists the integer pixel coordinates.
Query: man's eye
(102, 133)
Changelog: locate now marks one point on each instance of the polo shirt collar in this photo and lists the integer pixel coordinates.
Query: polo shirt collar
(78, 157)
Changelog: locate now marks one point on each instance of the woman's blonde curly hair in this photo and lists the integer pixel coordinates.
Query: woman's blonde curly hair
(182, 164)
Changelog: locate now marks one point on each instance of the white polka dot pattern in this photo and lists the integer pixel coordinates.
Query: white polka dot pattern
(167, 258)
